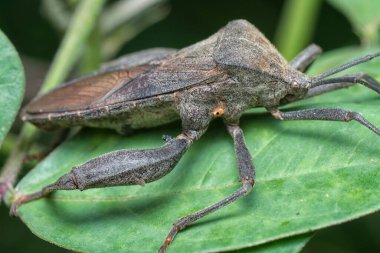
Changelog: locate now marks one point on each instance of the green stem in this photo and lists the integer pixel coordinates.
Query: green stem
(82, 23)
(57, 13)
(296, 26)
(121, 21)
(92, 56)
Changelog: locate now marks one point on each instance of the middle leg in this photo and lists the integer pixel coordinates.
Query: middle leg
(247, 178)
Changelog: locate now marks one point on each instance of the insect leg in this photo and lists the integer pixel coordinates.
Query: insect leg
(121, 167)
(247, 177)
(306, 57)
(331, 114)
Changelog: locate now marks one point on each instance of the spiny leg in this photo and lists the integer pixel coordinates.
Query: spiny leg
(306, 57)
(331, 114)
(247, 177)
(121, 167)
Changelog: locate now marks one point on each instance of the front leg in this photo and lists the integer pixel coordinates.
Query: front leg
(306, 57)
(247, 178)
(121, 167)
(330, 114)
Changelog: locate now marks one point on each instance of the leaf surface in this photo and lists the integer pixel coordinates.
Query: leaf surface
(288, 245)
(11, 85)
(364, 17)
(310, 174)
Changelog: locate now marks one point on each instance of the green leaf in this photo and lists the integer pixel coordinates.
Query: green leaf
(364, 16)
(288, 245)
(11, 85)
(310, 174)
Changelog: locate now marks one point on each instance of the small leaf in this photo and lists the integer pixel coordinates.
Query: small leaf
(11, 85)
(364, 16)
(310, 174)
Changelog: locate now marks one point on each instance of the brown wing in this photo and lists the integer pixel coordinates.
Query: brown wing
(190, 66)
(187, 67)
(174, 75)
(83, 93)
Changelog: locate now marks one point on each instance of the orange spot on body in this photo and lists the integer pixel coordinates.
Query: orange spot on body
(218, 112)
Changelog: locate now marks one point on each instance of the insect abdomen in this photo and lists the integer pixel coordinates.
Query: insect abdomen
(137, 114)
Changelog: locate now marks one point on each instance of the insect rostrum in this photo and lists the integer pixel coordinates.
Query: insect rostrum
(235, 69)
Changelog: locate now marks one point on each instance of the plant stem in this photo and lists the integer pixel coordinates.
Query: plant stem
(296, 26)
(57, 13)
(82, 23)
(92, 57)
(123, 20)
(14, 162)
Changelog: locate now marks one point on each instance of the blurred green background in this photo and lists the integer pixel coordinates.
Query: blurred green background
(178, 24)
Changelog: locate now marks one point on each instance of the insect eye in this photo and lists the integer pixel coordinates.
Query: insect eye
(295, 84)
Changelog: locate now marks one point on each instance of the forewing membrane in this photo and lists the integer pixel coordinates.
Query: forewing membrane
(190, 66)
(83, 93)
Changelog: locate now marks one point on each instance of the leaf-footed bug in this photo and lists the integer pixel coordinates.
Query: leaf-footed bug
(235, 69)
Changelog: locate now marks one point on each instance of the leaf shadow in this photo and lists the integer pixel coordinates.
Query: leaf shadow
(116, 210)
(243, 206)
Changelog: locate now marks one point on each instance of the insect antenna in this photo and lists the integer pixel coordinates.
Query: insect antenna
(338, 81)
(317, 79)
